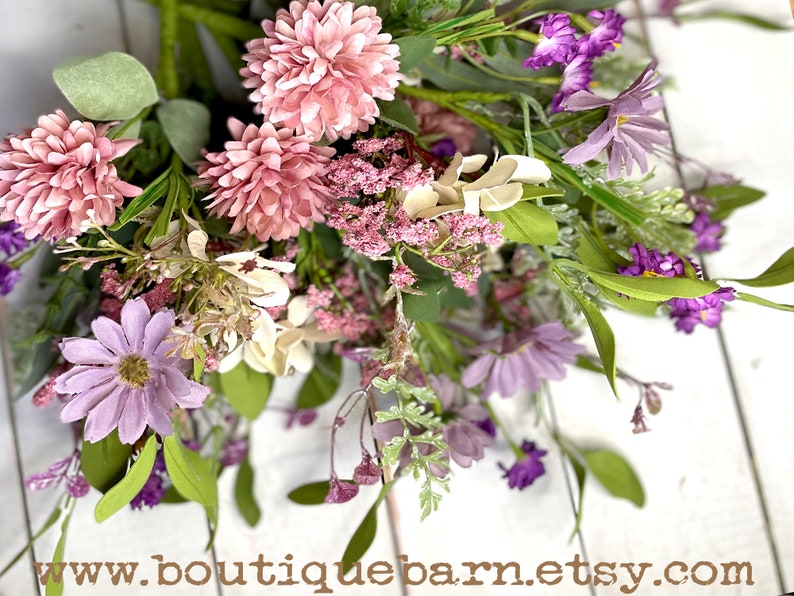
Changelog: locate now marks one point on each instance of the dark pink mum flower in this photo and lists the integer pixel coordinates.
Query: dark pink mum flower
(53, 175)
(320, 68)
(268, 181)
(124, 378)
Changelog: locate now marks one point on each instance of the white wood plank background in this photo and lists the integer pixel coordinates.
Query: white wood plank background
(716, 466)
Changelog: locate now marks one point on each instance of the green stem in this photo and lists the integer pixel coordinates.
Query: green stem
(503, 431)
(169, 32)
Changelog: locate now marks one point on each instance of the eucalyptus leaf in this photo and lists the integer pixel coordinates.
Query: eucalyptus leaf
(244, 493)
(527, 223)
(414, 49)
(186, 124)
(397, 113)
(322, 382)
(129, 486)
(111, 86)
(246, 390)
(615, 474)
(104, 463)
(427, 306)
(191, 474)
(654, 288)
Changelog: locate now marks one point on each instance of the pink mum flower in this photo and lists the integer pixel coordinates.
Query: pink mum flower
(124, 378)
(53, 175)
(320, 68)
(268, 180)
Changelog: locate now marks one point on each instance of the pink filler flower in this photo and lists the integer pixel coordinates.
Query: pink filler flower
(52, 176)
(268, 180)
(320, 68)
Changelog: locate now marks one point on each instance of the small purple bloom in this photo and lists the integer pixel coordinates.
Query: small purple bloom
(705, 310)
(708, 233)
(522, 359)
(556, 43)
(629, 133)
(8, 278)
(666, 7)
(367, 472)
(77, 486)
(12, 240)
(340, 491)
(444, 148)
(652, 263)
(606, 36)
(124, 379)
(575, 77)
(234, 452)
(527, 469)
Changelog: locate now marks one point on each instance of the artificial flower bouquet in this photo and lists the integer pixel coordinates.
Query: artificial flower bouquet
(446, 194)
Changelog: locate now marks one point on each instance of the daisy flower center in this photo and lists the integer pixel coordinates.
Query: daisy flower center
(134, 371)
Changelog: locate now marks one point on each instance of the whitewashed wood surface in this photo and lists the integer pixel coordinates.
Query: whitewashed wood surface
(717, 466)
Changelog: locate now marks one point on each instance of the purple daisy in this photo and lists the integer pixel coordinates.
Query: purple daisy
(527, 469)
(124, 378)
(605, 37)
(629, 133)
(556, 42)
(575, 77)
(522, 359)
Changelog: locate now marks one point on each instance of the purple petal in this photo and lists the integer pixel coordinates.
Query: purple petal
(593, 145)
(80, 378)
(80, 350)
(104, 417)
(111, 335)
(157, 330)
(132, 421)
(477, 371)
(84, 403)
(134, 316)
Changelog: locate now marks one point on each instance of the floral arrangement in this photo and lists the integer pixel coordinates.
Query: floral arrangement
(447, 195)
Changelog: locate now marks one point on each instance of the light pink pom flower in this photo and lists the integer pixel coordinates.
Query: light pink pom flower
(268, 181)
(52, 175)
(320, 68)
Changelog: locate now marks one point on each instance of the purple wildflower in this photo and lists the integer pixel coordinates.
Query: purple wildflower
(77, 486)
(707, 233)
(8, 278)
(153, 491)
(124, 378)
(527, 469)
(12, 240)
(444, 148)
(652, 263)
(522, 359)
(234, 452)
(367, 472)
(706, 310)
(605, 37)
(629, 132)
(340, 491)
(556, 42)
(575, 77)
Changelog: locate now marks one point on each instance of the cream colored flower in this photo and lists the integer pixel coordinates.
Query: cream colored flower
(499, 188)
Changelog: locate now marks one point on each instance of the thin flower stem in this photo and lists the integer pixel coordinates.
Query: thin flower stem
(503, 431)
(169, 32)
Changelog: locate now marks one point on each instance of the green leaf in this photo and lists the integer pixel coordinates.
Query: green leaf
(322, 382)
(601, 330)
(414, 50)
(176, 189)
(653, 288)
(763, 301)
(129, 486)
(364, 535)
(397, 113)
(594, 252)
(778, 273)
(427, 307)
(112, 86)
(186, 124)
(747, 19)
(532, 192)
(104, 463)
(527, 223)
(244, 493)
(53, 588)
(313, 493)
(729, 198)
(246, 390)
(191, 474)
(156, 189)
(646, 308)
(615, 474)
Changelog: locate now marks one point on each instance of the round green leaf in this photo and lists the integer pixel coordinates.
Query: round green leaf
(112, 86)
(191, 474)
(615, 474)
(186, 124)
(246, 390)
(104, 463)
